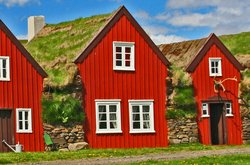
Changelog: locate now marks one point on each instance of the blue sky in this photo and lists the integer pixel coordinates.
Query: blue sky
(164, 20)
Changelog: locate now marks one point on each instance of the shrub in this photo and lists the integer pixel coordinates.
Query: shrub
(62, 110)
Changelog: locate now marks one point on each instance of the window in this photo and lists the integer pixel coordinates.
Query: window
(141, 116)
(123, 56)
(24, 123)
(215, 67)
(4, 68)
(108, 116)
(205, 110)
(228, 109)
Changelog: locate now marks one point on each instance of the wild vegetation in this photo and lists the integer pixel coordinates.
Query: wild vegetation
(55, 48)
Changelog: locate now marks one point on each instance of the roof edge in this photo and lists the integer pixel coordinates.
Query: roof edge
(116, 16)
(21, 48)
(212, 39)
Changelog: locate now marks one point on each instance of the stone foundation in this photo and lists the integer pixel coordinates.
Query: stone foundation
(246, 130)
(66, 138)
(182, 131)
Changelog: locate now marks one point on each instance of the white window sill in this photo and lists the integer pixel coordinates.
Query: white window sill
(124, 69)
(142, 131)
(205, 116)
(229, 115)
(4, 79)
(24, 131)
(108, 132)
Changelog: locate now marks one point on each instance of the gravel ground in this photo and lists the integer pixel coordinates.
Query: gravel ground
(140, 158)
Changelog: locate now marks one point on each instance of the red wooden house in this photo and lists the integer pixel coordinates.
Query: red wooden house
(21, 85)
(215, 75)
(123, 74)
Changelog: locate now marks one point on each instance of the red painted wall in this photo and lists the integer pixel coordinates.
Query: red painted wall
(22, 91)
(100, 81)
(204, 88)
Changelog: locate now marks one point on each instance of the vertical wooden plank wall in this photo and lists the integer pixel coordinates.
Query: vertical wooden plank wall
(22, 91)
(100, 81)
(204, 88)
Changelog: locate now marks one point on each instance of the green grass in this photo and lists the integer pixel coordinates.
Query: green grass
(239, 159)
(237, 43)
(59, 44)
(6, 158)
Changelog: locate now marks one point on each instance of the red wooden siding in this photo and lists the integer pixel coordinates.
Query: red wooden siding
(22, 91)
(204, 89)
(100, 81)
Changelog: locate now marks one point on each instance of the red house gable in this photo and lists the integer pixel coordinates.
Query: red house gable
(21, 85)
(123, 75)
(216, 76)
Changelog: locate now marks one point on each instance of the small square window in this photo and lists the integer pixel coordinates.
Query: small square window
(4, 68)
(229, 109)
(24, 120)
(141, 116)
(215, 67)
(204, 109)
(108, 117)
(123, 56)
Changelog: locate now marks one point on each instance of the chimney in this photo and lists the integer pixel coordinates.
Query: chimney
(35, 24)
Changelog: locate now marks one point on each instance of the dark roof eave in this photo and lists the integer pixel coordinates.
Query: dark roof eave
(23, 50)
(116, 16)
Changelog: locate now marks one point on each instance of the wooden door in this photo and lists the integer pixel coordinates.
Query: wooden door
(217, 124)
(6, 129)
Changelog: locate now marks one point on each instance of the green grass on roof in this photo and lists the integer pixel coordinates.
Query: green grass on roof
(237, 43)
(57, 45)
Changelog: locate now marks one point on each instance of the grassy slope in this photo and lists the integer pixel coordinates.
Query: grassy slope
(237, 43)
(56, 47)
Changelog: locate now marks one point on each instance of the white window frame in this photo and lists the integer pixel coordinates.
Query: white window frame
(228, 109)
(217, 59)
(7, 78)
(132, 55)
(29, 130)
(141, 103)
(108, 102)
(204, 107)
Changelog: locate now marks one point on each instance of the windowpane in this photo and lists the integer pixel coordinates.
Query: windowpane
(113, 125)
(127, 63)
(136, 109)
(228, 111)
(102, 117)
(102, 108)
(112, 116)
(146, 125)
(204, 112)
(145, 108)
(127, 57)
(20, 114)
(213, 70)
(103, 125)
(136, 117)
(20, 125)
(118, 49)
(146, 117)
(228, 105)
(4, 73)
(26, 115)
(118, 63)
(26, 125)
(112, 108)
(118, 56)
(136, 125)
(4, 63)
(127, 49)
(212, 64)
